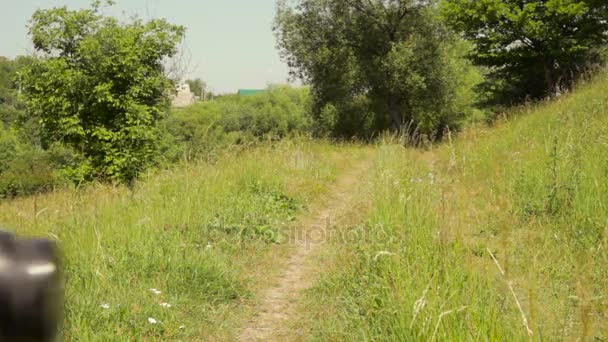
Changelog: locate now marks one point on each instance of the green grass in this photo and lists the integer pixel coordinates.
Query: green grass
(205, 235)
(532, 191)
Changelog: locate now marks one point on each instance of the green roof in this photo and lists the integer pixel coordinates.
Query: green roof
(249, 92)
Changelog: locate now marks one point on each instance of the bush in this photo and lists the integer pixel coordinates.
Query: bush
(199, 130)
(31, 172)
(8, 148)
(27, 166)
(26, 169)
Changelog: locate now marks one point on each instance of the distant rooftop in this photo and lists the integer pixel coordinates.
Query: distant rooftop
(249, 92)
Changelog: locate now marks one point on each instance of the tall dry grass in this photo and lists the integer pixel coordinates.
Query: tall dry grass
(529, 194)
(176, 258)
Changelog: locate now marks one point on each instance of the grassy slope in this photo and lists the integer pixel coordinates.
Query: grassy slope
(532, 190)
(204, 235)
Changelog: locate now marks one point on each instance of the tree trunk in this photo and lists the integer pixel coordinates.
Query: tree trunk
(549, 82)
(394, 109)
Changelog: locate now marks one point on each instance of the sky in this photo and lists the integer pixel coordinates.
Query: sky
(229, 43)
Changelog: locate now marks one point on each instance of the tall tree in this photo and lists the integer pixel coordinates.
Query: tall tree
(100, 87)
(371, 64)
(10, 106)
(532, 47)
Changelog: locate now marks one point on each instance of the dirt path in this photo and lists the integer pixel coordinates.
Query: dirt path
(274, 314)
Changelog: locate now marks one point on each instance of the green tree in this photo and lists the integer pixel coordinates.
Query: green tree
(10, 106)
(532, 47)
(372, 64)
(99, 87)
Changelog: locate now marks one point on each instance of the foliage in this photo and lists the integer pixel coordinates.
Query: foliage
(100, 87)
(531, 192)
(532, 47)
(27, 169)
(201, 129)
(8, 148)
(10, 105)
(202, 234)
(373, 65)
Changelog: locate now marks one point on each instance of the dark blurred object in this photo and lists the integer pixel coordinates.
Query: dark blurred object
(31, 289)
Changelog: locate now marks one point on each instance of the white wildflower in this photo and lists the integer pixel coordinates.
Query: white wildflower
(182, 327)
(152, 320)
(155, 291)
(165, 305)
(105, 306)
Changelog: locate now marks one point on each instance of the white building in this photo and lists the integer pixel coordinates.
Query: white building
(183, 96)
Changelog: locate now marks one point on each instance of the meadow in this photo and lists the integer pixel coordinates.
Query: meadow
(498, 234)
(175, 257)
(440, 174)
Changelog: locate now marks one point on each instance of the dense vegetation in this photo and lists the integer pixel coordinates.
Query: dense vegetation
(206, 235)
(376, 65)
(199, 131)
(529, 195)
(100, 88)
(496, 233)
(534, 48)
(94, 103)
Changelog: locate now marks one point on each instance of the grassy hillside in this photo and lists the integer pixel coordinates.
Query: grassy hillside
(500, 233)
(204, 235)
(528, 197)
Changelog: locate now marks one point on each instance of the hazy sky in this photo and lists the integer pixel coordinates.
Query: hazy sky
(230, 43)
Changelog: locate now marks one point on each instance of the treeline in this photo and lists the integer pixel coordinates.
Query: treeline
(94, 103)
(200, 131)
(410, 66)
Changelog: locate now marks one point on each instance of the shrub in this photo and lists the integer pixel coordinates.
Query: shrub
(201, 129)
(31, 172)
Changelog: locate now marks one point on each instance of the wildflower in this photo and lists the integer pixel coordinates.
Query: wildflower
(152, 320)
(182, 327)
(208, 245)
(155, 291)
(165, 305)
(105, 306)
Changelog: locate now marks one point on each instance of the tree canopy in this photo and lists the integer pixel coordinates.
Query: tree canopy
(10, 106)
(532, 47)
(100, 86)
(372, 65)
